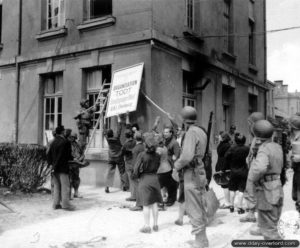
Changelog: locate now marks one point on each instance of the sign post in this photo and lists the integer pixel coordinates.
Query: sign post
(124, 90)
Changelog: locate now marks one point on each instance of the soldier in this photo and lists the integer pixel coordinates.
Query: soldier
(249, 191)
(295, 158)
(190, 160)
(84, 121)
(77, 154)
(264, 174)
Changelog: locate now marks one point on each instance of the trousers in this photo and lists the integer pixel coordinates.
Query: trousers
(61, 190)
(296, 189)
(194, 190)
(268, 220)
(166, 180)
(111, 174)
(250, 197)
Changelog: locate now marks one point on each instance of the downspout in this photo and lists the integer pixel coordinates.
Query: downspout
(19, 42)
(265, 55)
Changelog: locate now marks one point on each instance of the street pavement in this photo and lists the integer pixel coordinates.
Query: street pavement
(104, 220)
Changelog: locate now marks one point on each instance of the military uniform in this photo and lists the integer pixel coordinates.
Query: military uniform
(264, 174)
(84, 123)
(77, 154)
(296, 178)
(190, 161)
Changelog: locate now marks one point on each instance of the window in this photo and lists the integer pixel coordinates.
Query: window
(53, 14)
(251, 42)
(252, 103)
(94, 78)
(53, 89)
(228, 27)
(188, 99)
(97, 8)
(228, 102)
(190, 14)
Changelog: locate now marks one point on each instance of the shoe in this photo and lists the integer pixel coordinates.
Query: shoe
(169, 204)
(256, 232)
(250, 217)
(70, 208)
(106, 189)
(130, 199)
(77, 196)
(57, 207)
(145, 229)
(136, 208)
(241, 211)
(161, 207)
(155, 228)
(224, 206)
(231, 208)
(178, 222)
(125, 188)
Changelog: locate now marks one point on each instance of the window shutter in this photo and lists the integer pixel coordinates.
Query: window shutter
(43, 14)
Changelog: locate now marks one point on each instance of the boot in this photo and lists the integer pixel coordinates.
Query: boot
(201, 240)
(250, 217)
(256, 232)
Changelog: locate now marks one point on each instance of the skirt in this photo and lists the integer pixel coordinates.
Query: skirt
(149, 190)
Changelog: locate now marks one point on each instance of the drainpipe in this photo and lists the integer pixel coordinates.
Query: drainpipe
(265, 55)
(19, 42)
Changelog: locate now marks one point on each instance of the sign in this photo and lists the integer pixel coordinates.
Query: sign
(124, 90)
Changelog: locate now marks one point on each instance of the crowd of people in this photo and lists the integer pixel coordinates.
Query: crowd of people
(159, 168)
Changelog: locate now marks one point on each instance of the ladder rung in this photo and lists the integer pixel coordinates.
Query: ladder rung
(106, 84)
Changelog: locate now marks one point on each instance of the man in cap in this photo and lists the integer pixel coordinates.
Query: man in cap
(232, 132)
(295, 158)
(264, 174)
(195, 181)
(78, 155)
(84, 121)
(249, 191)
(60, 152)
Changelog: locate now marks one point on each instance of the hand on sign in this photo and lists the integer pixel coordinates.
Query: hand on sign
(295, 158)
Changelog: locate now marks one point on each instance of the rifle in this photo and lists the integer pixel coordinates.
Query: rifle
(207, 160)
(284, 147)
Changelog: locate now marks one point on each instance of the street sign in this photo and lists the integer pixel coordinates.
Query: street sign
(124, 91)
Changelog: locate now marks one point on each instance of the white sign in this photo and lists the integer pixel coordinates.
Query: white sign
(124, 90)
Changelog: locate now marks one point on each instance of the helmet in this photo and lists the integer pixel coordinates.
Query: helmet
(189, 114)
(138, 136)
(83, 102)
(295, 122)
(263, 129)
(254, 117)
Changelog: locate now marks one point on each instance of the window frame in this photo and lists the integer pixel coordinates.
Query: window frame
(87, 11)
(56, 96)
(190, 14)
(61, 15)
(228, 26)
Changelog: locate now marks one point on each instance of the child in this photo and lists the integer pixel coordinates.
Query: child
(148, 188)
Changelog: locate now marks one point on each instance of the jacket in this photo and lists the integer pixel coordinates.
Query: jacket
(221, 151)
(60, 152)
(115, 146)
(265, 174)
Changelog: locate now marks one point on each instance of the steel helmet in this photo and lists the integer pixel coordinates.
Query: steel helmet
(254, 117)
(263, 129)
(189, 114)
(295, 122)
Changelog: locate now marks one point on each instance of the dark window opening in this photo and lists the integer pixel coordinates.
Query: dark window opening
(98, 8)
(252, 103)
(252, 43)
(0, 24)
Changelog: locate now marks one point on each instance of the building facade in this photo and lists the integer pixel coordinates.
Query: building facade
(207, 54)
(286, 103)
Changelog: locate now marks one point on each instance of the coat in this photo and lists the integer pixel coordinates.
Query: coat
(60, 152)
(221, 151)
(265, 172)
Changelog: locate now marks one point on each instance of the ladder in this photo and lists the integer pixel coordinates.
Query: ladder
(101, 101)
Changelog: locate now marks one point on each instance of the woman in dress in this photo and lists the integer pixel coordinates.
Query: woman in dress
(148, 188)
